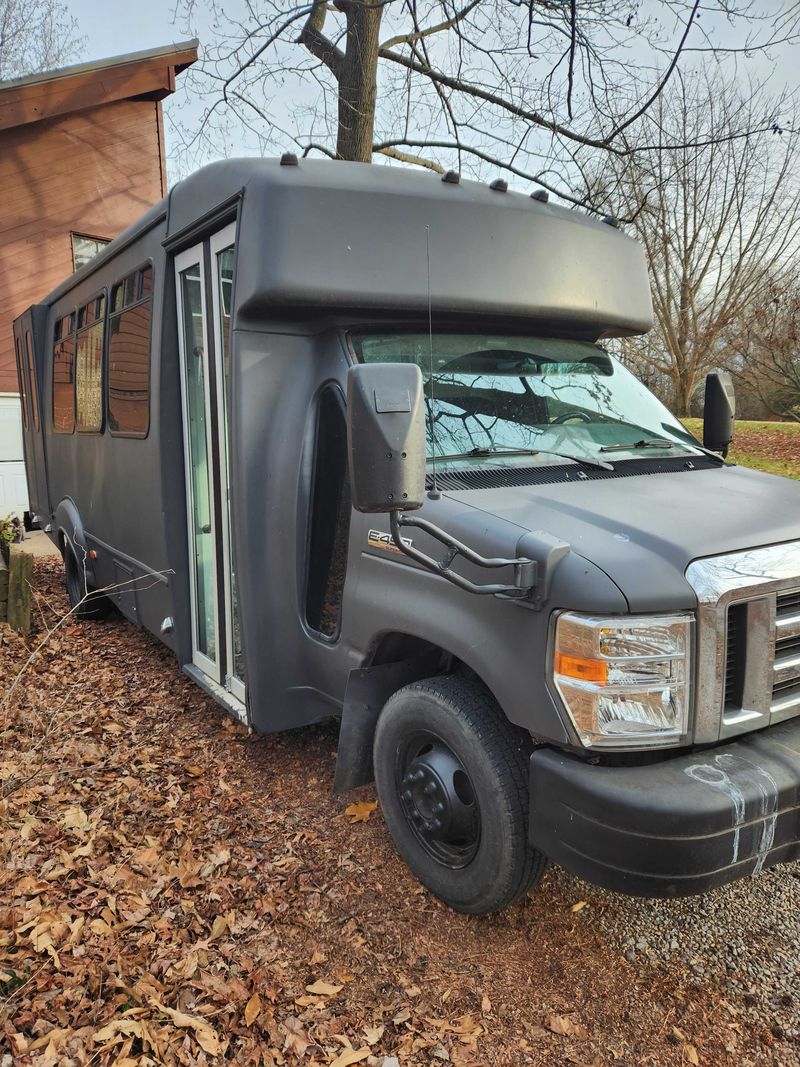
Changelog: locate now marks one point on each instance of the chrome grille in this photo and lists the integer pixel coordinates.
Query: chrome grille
(786, 671)
(748, 639)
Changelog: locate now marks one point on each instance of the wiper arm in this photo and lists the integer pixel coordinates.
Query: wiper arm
(625, 447)
(663, 443)
(597, 464)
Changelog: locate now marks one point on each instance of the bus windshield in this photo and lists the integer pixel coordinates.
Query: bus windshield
(491, 395)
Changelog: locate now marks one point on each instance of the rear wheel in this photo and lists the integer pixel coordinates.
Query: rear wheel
(451, 773)
(85, 602)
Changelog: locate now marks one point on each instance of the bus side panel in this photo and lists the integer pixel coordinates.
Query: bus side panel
(115, 483)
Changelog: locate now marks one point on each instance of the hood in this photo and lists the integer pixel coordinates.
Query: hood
(644, 530)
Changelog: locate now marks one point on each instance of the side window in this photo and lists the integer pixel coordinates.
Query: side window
(23, 392)
(64, 375)
(89, 366)
(34, 385)
(129, 354)
(330, 517)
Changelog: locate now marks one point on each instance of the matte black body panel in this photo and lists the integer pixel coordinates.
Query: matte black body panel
(682, 826)
(645, 530)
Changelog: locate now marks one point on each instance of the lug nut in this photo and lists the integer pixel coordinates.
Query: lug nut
(406, 795)
(436, 824)
(430, 788)
(439, 808)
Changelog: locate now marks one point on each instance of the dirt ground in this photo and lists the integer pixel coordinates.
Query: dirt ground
(173, 890)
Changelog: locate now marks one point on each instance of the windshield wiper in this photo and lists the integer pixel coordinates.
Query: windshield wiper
(663, 443)
(500, 450)
(624, 447)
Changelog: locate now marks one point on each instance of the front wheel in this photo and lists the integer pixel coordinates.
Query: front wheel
(451, 774)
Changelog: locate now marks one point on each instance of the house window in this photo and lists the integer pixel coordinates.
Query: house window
(86, 248)
(129, 354)
(330, 517)
(89, 366)
(64, 375)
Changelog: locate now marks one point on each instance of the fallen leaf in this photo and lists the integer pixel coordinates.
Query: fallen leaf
(323, 989)
(373, 1034)
(361, 811)
(562, 1024)
(194, 770)
(691, 1055)
(486, 1005)
(205, 1035)
(579, 906)
(75, 818)
(351, 1055)
(253, 1009)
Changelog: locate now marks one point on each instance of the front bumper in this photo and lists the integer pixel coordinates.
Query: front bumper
(670, 829)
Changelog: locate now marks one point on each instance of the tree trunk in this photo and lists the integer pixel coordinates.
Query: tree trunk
(358, 88)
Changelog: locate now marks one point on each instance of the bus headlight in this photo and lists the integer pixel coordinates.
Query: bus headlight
(625, 681)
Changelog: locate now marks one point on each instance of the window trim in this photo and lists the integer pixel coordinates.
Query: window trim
(129, 307)
(21, 383)
(73, 334)
(33, 380)
(78, 331)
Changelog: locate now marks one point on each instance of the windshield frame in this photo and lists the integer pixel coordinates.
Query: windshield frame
(679, 441)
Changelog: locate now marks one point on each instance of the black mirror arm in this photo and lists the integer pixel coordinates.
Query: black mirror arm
(525, 570)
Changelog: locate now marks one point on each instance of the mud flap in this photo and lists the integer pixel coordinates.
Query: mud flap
(368, 689)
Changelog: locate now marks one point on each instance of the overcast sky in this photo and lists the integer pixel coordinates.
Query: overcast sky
(110, 27)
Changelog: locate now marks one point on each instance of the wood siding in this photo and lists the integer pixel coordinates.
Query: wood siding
(93, 172)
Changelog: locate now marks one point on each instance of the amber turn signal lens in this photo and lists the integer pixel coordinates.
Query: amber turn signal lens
(582, 670)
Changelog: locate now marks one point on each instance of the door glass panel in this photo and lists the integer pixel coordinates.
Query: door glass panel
(224, 275)
(199, 467)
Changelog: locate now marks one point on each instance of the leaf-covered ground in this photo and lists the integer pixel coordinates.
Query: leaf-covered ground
(173, 890)
(773, 447)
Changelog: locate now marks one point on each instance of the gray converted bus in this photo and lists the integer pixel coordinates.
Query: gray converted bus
(577, 638)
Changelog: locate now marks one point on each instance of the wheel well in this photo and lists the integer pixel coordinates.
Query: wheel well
(395, 660)
(398, 647)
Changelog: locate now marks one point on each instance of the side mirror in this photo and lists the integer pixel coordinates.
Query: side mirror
(719, 412)
(386, 436)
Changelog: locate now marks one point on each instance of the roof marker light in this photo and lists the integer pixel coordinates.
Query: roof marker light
(541, 195)
(452, 177)
(289, 159)
(609, 220)
(499, 185)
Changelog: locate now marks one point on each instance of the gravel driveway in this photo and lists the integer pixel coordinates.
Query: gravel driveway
(743, 938)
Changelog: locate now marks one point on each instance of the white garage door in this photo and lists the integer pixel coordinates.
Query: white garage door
(13, 484)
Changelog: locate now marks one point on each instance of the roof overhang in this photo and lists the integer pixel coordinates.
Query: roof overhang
(146, 75)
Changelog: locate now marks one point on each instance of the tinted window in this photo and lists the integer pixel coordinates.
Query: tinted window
(129, 355)
(89, 369)
(64, 376)
(330, 518)
(32, 380)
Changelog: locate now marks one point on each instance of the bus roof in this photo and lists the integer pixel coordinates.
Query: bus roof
(352, 236)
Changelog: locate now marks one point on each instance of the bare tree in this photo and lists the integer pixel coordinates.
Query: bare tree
(717, 208)
(765, 349)
(529, 86)
(35, 35)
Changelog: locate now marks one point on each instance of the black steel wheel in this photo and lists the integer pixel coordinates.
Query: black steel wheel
(438, 800)
(452, 779)
(84, 601)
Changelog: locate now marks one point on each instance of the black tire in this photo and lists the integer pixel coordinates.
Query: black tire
(85, 602)
(444, 752)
